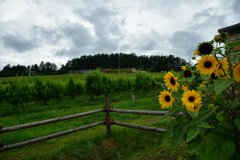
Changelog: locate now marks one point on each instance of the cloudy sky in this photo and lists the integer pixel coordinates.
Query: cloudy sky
(32, 31)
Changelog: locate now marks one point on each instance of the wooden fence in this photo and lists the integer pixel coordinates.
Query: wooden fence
(107, 121)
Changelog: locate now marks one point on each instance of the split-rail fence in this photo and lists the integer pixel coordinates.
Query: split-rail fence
(107, 121)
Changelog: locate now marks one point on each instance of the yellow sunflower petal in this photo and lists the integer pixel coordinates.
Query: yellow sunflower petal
(196, 53)
(191, 98)
(236, 73)
(171, 82)
(166, 99)
(184, 68)
(195, 109)
(185, 88)
(224, 66)
(207, 65)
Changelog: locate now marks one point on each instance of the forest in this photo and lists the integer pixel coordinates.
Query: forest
(153, 63)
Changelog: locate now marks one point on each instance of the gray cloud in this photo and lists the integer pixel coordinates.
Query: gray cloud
(18, 43)
(79, 35)
(64, 30)
(107, 33)
(50, 35)
(185, 43)
(236, 6)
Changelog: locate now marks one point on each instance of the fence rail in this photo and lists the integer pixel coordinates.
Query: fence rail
(159, 113)
(108, 122)
(34, 124)
(153, 129)
(16, 145)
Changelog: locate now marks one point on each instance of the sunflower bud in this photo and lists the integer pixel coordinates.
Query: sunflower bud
(217, 38)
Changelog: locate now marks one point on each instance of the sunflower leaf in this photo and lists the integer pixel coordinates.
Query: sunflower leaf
(170, 112)
(190, 79)
(205, 125)
(202, 115)
(178, 134)
(234, 44)
(192, 134)
(221, 85)
(216, 148)
(237, 123)
(235, 104)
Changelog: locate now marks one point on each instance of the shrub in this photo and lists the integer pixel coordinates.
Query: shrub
(93, 84)
(142, 82)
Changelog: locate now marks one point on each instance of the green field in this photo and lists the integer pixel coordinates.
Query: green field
(77, 77)
(93, 143)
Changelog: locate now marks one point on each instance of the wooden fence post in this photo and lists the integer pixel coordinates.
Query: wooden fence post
(108, 118)
(1, 144)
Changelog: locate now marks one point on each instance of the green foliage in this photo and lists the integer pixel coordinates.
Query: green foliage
(71, 88)
(142, 82)
(13, 93)
(107, 84)
(221, 85)
(79, 89)
(93, 84)
(1, 94)
(39, 92)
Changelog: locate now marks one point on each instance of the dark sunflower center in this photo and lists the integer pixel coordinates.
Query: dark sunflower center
(220, 67)
(191, 98)
(213, 76)
(172, 80)
(187, 73)
(167, 98)
(205, 48)
(208, 64)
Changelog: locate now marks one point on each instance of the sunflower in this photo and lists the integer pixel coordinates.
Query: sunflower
(171, 82)
(224, 36)
(202, 93)
(185, 88)
(217, 38)
(224, 66)
(225, 77)
(207, 65)
(205, 48)
(165, 99)
(184, 68)
(203, 84)
(236, 73)
(187, 73)
(212, 96)
(195, 108)
(191, 98)
(195, 53)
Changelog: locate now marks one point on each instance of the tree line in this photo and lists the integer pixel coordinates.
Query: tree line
(153, 63)
(43, 68)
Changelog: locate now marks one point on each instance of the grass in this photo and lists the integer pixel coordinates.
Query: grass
(93, 143)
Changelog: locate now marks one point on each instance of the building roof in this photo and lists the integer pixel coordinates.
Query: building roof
(231, 29)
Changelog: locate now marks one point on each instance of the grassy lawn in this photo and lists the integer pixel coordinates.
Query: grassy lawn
(93, 143)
